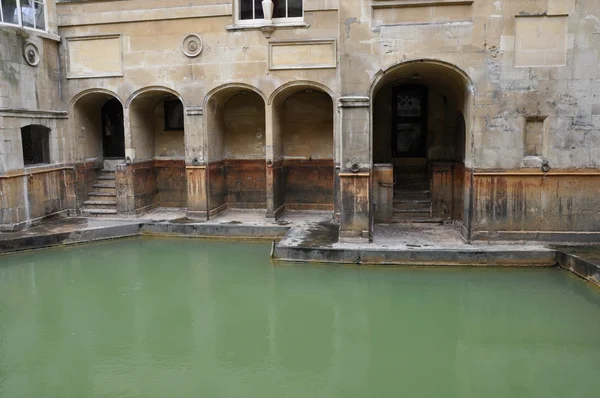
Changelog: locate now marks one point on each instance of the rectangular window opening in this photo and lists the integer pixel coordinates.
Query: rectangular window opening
(26, 13)
(173, 115)
(36, 145)
(534, 134)
(282, 9)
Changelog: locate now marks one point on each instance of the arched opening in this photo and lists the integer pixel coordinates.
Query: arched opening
(98, 146)
(98, 127)
(419, 142)
(303, 124)
(236, 149)
(156, 120)
(113, 133)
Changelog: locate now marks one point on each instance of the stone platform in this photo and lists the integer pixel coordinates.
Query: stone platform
(312, 237)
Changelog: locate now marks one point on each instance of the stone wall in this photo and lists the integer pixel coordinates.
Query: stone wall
(515, 82)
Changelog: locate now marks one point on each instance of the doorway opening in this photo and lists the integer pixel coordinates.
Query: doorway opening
(419, 141)
(113, 131)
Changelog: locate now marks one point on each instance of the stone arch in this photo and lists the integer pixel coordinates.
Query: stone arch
(156, 116)
(233, 87)
(303, 137)
(383, 74)
(417, 136)
(91, 91)
(156, 124)
(235, 126)
(150, 89)
(97, 131)
(300, 85)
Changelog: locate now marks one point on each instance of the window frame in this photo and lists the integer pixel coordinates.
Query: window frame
(20, 16)
(261, 21)
(46, 144)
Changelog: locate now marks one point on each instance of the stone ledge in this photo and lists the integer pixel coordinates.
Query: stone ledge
(26, 32)
(419, 3)
(112, 17)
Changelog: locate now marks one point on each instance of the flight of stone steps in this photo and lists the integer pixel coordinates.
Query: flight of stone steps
(412, 196)
(102, 200)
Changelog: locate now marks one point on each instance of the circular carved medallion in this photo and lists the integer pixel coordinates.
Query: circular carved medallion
(31, 54)
(192, 45)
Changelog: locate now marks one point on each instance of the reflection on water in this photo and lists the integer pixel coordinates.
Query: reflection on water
(189, 318)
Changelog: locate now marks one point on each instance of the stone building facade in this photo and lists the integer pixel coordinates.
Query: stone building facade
(486, 112)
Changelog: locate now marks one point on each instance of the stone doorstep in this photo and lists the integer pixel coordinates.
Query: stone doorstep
(104, 185)
(101, 202)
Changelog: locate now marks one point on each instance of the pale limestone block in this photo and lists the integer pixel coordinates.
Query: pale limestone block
(560, 7)
(540, 41)
(94, 56)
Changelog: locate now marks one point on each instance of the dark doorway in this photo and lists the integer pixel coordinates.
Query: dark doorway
(113, 132)
(409, 125)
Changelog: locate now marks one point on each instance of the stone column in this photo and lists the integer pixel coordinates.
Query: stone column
(355, 168)
(195, 163)
(274, 165)
(129, 149)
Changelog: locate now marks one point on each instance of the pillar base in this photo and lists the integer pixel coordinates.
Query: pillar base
(355, 211)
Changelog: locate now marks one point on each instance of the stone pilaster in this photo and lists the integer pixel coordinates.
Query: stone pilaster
(355, 168)
(196, 163)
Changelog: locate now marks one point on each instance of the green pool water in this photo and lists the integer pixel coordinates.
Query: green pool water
(191, 318)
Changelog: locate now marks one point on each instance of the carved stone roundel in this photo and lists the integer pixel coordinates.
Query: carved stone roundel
(192, 45)
(31, 54)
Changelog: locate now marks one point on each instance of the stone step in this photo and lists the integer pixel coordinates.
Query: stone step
(415, 186)
(107, 177)
(421, 200)
(104, 185)
(410, 213)
(413, 207)
(100, 204)
(103, 194)
(98, 212)
(412, 194)
(424, 220)
(107, 187)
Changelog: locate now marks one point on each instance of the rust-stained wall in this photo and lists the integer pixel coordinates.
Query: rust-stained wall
(34, 195)
(383, 192)
(275, 189)
(237, 183)
(246, 183)
(144, 185)
(515, 201)
(354, 214)
(217, 187)
(308, 184)
(197, 191)
(171, 183)
(447, 179)
(86, 176)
